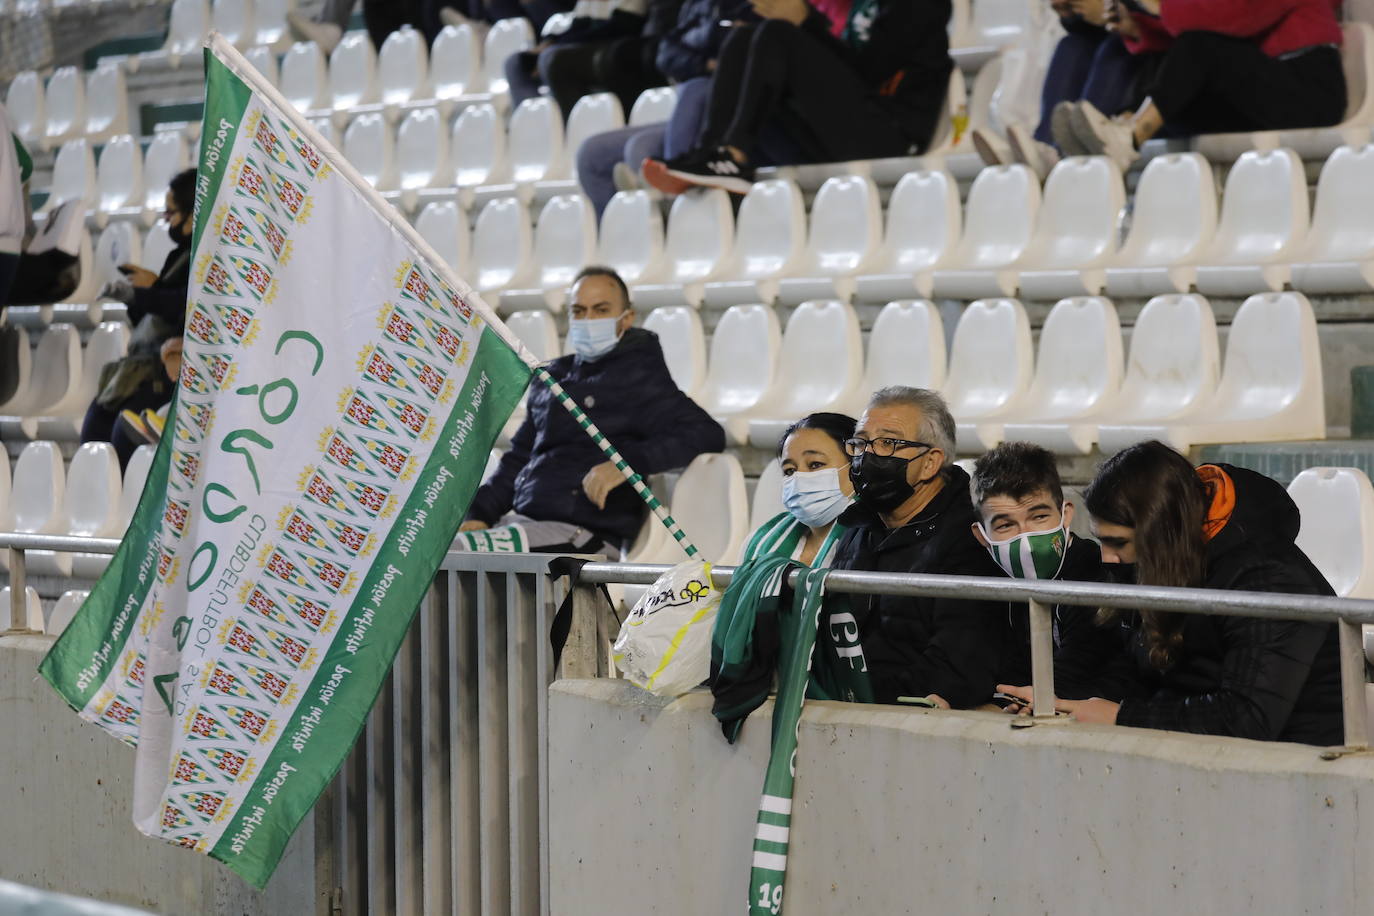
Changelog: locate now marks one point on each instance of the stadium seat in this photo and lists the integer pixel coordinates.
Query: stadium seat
(999, 222)
(305, 77)
(166, 155)
(107, 102)
(369, 146)
(654, 106)
(443, 224)
(1338, 254)
(502, 246)
(593, 114)
(923, 226)
(55, 372)
(16, 367)
(186, 27)
(700, 243)
(353, 72)
(993, 26)
(62, 421)
(770, 243)
(119, 176)
(455, 63)
(93, 496)
(742, 366)
(564, 242)
(73, 175)
(767, 501)
(504, 39)
(6, 512)
(535, 142)
(905, 347)
(478, 148)
(711, 505)
(233, 19)
(25, 102)
(538, 331)
(66, 105)
(64, 610)
(157, 244)
(990, 369)
(1173, 222)
(1337, 510)
(1078, 373)
(631, 239)
(422, 152)
(820, 369)
(135, 476)
(264, 60)
(32, 603)
(269, 16)
(119, 244)
(684, 345)
(1264, 219)
(846, 238)
(403, 67)
(39, 494)
(1077, 230)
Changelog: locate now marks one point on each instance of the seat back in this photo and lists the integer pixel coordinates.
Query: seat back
(107, 101)
(1337, 510)
(93, 491)
(107, 343)
(1174, 361)
(1357, 59)
(73, 174)
(538, 331)
(1079, 365)
(135, 476)
(846, 225)
(17, 369)
(990, 359)
(186, 26)
(1345, 199)
(924, 221)
(264, 60)
(1264, 212)
(33, 607)
(304, 77)
(653, 106)
(821, 364)
(444, 225)
(157, 244)
(269, 16)
(353, 72)
(1001, 22)
(403, 67)
(478, 147)
(502, 244)
(39, 490)
(234, 20)
(66, 104)
(63, 611)
(684, 344)
(743, 359)
(1175, 216)
(536, 141)
(593, 114)
(119, 176)
(632, 237)
(701, 233)
(906, 347)
(422, 151)
(564, 240)
(504, 39)
(770, 236)
(455, 62)
(166, 155)
(1079, 220)
(370, 147)
(118, 244)
(1273, 359)
(999, 218)
(712, 508)
(767, 500)
(27, 106)
(56, 367)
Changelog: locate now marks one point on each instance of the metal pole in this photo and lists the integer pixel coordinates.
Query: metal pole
(1042, 659)
(1353, 684)
(19, 592)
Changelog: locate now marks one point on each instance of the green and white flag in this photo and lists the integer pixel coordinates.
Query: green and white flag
(340, 391)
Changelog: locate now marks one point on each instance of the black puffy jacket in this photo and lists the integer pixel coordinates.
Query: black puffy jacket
(1250, 677)
(630, 396)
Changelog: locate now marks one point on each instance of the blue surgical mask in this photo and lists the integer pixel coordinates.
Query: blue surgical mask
(814, 497)
(592, 338)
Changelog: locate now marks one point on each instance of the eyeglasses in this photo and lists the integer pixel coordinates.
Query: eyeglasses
(883, 446)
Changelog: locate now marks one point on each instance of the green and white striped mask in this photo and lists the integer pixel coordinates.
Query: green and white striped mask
(1032, 554)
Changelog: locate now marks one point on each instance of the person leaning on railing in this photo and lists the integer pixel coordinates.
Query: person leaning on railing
(1161, 521)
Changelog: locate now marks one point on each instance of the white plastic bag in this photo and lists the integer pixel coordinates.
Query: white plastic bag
(664, 645)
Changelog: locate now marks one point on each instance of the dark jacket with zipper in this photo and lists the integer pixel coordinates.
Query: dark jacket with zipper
(684, 50)
(918, 646)
(632, 399)
(1250, 677)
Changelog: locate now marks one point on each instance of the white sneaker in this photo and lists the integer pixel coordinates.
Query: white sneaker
(324, 34)
(1041, 157)
(1061, 128)
(992, 149)
(1104, 136)
(624, 177)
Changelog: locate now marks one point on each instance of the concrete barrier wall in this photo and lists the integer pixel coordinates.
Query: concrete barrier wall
(65, 791)
(904, 811)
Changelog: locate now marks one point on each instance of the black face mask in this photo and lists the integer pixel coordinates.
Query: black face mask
(1120, 573)
(880, 482)
(179, 234)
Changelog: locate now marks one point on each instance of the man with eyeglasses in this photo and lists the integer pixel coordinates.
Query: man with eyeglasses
(914, 515)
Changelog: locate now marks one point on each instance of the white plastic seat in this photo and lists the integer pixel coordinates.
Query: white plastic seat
(25, 101)
(502, 246)
(33, 607)
(1264, 219)
(18, 360)
(264, 60)
(62, 421)
(73, 175)
(564, 242)
(535, 142)
(166, 156)
(742, 367)
(370, 147)
(107, 102)
(653, 106)
(993, 25)
(269, 18)
(119, 244)
(505, 38)
(6, 516)
(770, 240)
(990, 368)
(39, 496)
(845, 239)
(93, 496)
(187, 25)
(820, 369)
(1076, 231)
(403, 67)
(924, 222)
(422, 159)
(478, 148)
(905, 347)
(157, 244)
(1174, 222)
(998, 225)
(1338, 255)
(767, 501)
(443, 224)
(711, 504)
(684, 345)
(56, 371)
(353, 72)
(593, 114)
(1337, 510)
(119, 175)
(305, 77)
(538, 331)
(1172, 370)
(135, 477)
(700, 243)
(63, 611)
(234, 20)
(631, 238)
(1077, 376)
(66, 105)
(455, 63)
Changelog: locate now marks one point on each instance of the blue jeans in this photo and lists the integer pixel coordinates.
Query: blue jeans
(1092, 66)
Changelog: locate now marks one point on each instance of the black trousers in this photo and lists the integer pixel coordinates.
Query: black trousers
(1211, 83)
(775, 68)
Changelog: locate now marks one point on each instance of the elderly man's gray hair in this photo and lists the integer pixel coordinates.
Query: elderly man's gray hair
(937, 423)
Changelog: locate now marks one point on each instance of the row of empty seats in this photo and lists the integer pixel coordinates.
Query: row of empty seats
(51, 621)
(128, 182)
(56, 380)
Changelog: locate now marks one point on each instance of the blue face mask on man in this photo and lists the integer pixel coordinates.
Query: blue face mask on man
(593, 338)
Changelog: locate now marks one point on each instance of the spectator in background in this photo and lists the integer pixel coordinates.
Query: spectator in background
(157, 309)
(554, 491)
(876, 91)
(1161, 521)
(381, 18)
(914, 515)
(15, 167)
(1234, 65)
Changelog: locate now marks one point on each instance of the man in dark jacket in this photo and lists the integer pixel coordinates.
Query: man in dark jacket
(554, 491)
(914, 515)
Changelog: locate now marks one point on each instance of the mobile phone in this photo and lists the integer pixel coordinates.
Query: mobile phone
(1005, 699)
(917, 701)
